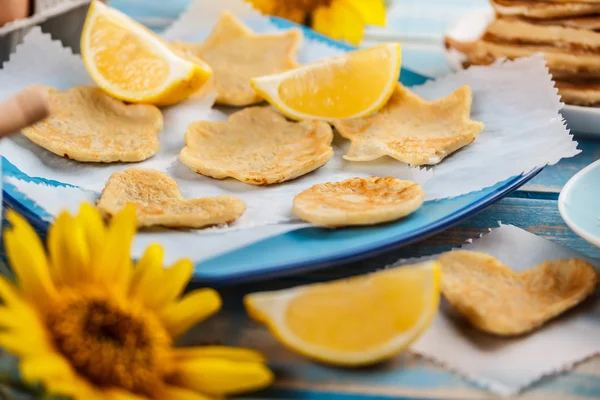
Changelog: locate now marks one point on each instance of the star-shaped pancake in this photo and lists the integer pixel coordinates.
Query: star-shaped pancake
(412, 130)
(236, 54)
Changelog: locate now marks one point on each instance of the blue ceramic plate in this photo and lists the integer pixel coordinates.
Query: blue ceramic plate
(311, 248)
(579, 203)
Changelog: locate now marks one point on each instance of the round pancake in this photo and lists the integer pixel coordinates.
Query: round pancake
(88, 125)
(257, 146)
(358, 201)
(158, 202)
(498, 300)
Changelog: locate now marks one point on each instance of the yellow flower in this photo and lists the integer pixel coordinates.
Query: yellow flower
(339, 19)
(86, 324)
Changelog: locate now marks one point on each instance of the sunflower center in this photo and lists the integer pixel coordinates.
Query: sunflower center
(109, 345)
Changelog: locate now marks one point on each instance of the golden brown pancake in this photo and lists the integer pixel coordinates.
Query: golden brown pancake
(544, 10)
(526, 33)
(412, 130)
(236, 54)
(358, 201)
(257, 145)
(88, 125)
(563, 63)
(591, 22)
(498, 300)
(158, 201)
(579, 93)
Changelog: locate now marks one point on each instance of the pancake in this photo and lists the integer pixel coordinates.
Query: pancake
(579, 93)
(158, 201)
(412, 130)
(521, 32)
(498, 300)
(88, 125)
(258, 146)
(591, 23)
(560, 62)
(545, 10)
(358, 201)
(236, 54)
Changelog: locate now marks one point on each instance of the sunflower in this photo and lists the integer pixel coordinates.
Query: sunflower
(339, 19)
(86, 324)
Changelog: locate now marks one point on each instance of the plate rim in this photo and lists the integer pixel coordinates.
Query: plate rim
(497, 191)
(294, 268)
(562, 204)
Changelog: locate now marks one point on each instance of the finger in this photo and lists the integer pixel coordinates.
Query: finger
(23, 109)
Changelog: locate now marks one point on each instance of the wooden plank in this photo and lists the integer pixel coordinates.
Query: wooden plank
(407, 376)
(554, 177)
(540, 217)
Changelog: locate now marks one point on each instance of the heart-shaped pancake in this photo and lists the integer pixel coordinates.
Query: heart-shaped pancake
(498, 300)
(158, 202)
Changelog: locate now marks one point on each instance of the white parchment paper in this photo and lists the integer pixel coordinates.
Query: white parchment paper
(507, 366)
(516, 101)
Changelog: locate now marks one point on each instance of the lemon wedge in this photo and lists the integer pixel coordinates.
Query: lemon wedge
(350, 85)
(133, 64)
(352, 322)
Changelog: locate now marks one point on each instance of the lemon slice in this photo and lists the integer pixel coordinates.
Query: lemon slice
(352, 322)
(131, 63)
(350, 85)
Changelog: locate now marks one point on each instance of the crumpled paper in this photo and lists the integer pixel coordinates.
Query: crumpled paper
(523, 130)
(506, 366)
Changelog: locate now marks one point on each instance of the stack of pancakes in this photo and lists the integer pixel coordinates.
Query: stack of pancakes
(566, 31)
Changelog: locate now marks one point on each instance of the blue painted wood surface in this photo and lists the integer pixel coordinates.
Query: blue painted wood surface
(533, 208)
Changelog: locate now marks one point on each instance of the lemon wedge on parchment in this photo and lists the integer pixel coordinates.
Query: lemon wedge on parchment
(133, 64)
(352, 322)
(350, 85)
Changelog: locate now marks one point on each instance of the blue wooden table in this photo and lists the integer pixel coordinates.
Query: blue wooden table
(533, 207)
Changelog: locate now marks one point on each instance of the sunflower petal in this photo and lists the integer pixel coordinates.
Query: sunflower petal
(177, 393)
(193, 308)
(113, 267)
(9, 294)
(372, 11)
(69, 251)
(28, 260)
(156, 286)
(339, 22)
(118, 394)
(94, 230)
(13, 343)
(222, 377)
(147, 271)
(27, 336)
(45, 368)
(227, 353)
(59, 260)
(173, 282)
(78, 255)
(20, 317)
(9, 318)
(58, 377)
